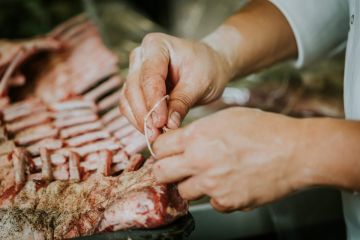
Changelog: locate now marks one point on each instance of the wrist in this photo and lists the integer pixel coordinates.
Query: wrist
(326, 154)
(225, 42)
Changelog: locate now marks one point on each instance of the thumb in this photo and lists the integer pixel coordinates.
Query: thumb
(182, 98)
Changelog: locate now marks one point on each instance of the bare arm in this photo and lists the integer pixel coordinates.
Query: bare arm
(243, 158)
(255, 37)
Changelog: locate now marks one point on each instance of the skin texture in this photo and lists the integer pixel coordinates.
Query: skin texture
(243, 158)
(239, 157)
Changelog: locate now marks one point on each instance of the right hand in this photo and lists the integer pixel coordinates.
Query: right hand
(191, 72)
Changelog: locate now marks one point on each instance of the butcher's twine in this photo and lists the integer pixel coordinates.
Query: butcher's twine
(166, 97)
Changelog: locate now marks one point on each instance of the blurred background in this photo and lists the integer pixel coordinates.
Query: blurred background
(313, 91)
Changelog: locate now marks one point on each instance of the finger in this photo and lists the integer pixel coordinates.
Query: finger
(172, 169)
(153, 75)
(216, 205)
(169, 143)
(134, 94)
(125, 108)
(190, 189)
(182, 98)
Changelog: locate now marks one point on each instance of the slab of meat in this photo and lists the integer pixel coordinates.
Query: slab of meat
(62, 209)
(88, 182)
(69, 161)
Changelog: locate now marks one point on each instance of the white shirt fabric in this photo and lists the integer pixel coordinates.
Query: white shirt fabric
(319, 27)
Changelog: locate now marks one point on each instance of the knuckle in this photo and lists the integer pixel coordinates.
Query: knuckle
(134, 53)
(183, 99)
(209, 185)
(150, 79)
(152, 38)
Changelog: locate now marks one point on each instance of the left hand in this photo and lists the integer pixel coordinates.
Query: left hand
(241, 158)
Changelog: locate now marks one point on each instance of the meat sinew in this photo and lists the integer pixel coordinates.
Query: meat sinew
(69, 161)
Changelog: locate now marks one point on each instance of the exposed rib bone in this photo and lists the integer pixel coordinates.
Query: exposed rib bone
(23, 109)
(135, 162)
(28, 121)
(80, 129)
(86, 138)
(55, 158)
(72, 113)
(46, 171)
(109, 144)
(124, 131)
(72, 104)
(61, 172)
(133, 137)
(120, 157)
(109, 85)
(117, 124)
(10, 69)
(19, 159)
(135, 147)
(58, 31)
(74, 163)
(48, 143)
(104, 162)
(111, 115)
(109, 101)
(34, 134)
(62, 123)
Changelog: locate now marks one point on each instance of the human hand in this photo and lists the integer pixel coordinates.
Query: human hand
(191, 71)
(241, 158)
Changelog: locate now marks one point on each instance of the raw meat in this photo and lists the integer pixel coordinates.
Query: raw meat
(69, 162)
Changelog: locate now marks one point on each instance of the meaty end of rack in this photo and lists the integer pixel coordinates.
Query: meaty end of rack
(66, 209)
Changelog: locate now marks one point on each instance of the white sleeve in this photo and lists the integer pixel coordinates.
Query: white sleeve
(319, 26)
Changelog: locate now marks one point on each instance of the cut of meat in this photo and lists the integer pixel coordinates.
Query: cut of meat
(109, 144)
(117, 124)
(125, 131)
(111, 115)
(87, 138)
(72, 113)
(25, 109)
(48, 143)
(109, 101)
(69, 162)
(19, 160)
(28, 121)
(80, 129)
(36, 133)
(74, 164)
(68, 122)
(67, 209)
(104, 162)
(46, 171)
(101, 90)
(73, 104)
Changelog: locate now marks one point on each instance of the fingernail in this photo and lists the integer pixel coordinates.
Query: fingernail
(154, 118)
(174, 121)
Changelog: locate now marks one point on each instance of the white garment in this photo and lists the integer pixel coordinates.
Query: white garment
(319, 27)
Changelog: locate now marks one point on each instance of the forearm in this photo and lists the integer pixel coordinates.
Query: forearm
(255, 37)
(328, 154)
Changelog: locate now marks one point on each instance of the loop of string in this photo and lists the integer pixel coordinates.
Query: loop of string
(166, 97)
